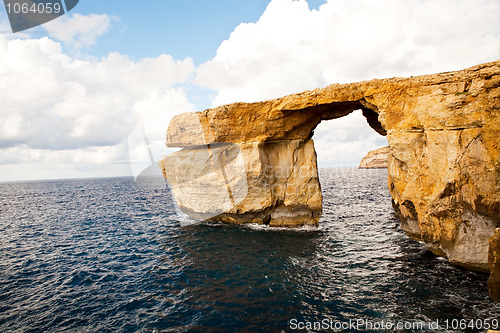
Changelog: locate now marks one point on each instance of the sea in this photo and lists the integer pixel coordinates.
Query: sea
(113, 255)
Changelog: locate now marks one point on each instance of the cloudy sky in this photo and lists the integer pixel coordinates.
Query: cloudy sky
(77, 93)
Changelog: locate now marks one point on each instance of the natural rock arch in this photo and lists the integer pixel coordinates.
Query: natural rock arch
(276, 175)
(255, 162)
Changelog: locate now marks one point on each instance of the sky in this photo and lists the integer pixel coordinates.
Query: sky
(78, 93)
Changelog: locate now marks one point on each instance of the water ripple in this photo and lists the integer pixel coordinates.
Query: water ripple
(103, 255)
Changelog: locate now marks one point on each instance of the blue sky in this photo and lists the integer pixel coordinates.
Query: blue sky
(192, 28)
(180, 28)
(75, 90)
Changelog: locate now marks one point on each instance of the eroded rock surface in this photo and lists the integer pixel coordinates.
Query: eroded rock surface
(443, 132)
(274, 183)
(375, 159)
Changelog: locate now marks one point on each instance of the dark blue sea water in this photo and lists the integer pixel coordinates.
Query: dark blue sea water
(106, 255)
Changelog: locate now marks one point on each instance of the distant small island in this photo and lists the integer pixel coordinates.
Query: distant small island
(375, 159)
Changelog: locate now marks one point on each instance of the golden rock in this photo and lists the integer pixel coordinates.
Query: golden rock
(255, 162)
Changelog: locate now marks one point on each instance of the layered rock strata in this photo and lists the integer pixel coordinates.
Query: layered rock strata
(255, 162)
(375, 159)
(273, 183)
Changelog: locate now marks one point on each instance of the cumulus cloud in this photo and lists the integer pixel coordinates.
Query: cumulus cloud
(62, 116)
(60, 110)
(292, 48)
(78, 30)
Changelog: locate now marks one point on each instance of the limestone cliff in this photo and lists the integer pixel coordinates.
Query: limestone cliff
(274, 183)
(375, 159)
(255, 162)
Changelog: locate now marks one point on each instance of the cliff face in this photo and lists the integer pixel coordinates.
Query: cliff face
(274, 183)
(255, 162)
(375, 159)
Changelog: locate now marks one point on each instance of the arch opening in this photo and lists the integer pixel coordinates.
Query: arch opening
(344, 141)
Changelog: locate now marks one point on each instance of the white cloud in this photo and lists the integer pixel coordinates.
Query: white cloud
(66, 117)
(292, 48)
(78, 30)
(57, 110)
(24, 163)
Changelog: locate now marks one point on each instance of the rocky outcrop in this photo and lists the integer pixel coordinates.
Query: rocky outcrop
(274, 183)
(375, 159)
(255, 162)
